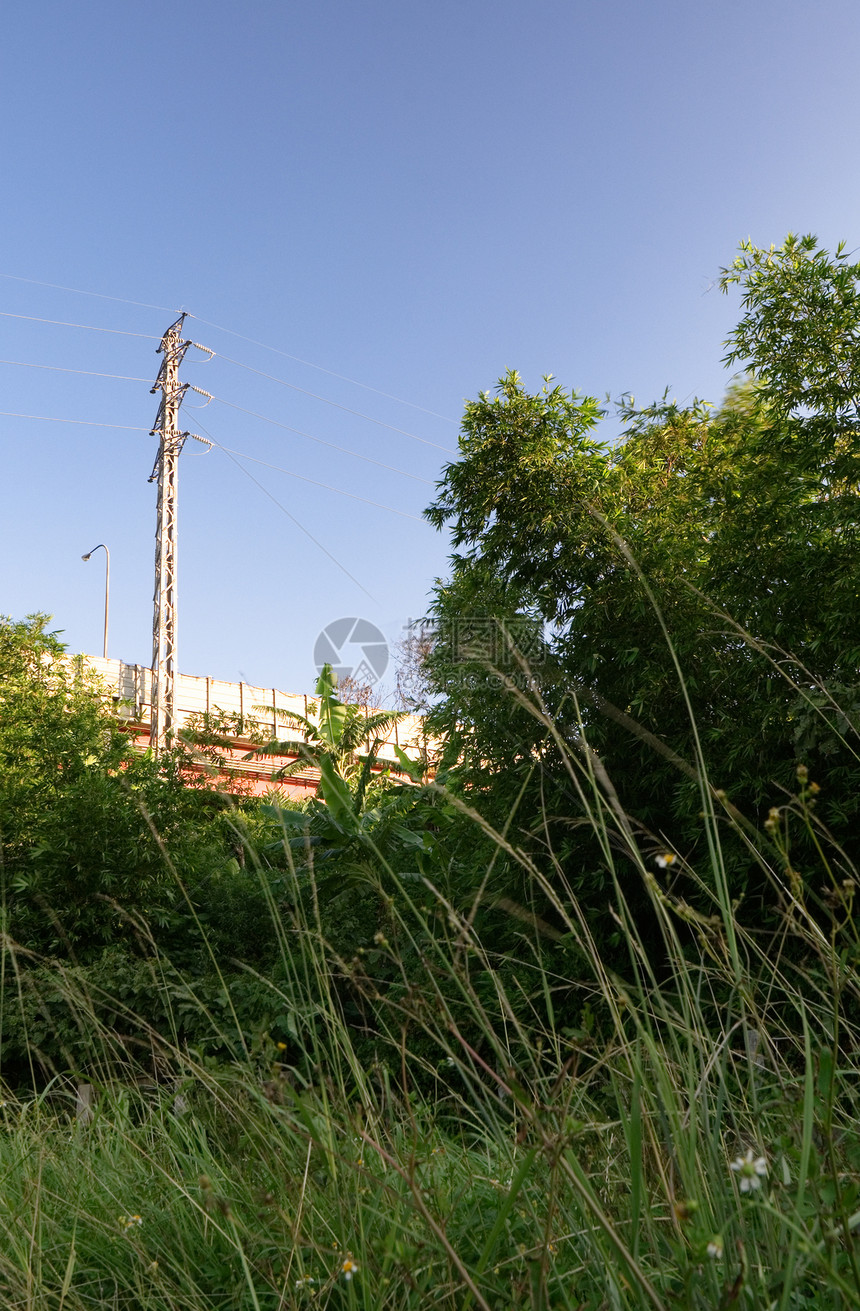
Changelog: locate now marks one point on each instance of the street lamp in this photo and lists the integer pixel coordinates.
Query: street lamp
(101, 547)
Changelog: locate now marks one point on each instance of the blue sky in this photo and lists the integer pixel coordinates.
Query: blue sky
(412, 196)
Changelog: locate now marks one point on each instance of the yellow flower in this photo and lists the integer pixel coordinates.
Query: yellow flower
(666, 860)
(348, 1267)
(130, 1221)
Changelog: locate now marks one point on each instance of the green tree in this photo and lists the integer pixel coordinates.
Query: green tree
(341, 740)
(83, 819)
(719, 542)
(800, 331)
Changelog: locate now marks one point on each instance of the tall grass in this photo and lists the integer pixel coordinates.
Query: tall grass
(439, 1140)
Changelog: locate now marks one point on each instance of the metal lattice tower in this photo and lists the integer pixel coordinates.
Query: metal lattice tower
(171, 441)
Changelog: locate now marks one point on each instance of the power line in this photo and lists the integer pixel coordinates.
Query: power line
(357, 413)
(62, 323)
(130, 427)
(97, 294)
(89, 423)
(92, 373)
(229, 453)
(344, 450)
(122, 300)
(299, 525)
(242, 455)
(310, 365)
(120, 377)
(328, 487)
(58, 368)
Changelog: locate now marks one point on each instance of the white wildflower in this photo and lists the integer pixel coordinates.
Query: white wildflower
(751, 1169)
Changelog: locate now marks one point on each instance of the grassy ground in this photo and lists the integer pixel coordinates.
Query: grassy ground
(693, 1144)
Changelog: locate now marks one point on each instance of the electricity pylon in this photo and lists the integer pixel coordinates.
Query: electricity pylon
(171, 441)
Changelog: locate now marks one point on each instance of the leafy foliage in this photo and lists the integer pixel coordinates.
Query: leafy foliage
(108, 859)
(672, 577)
(800, 331)
(83, 819)
(205, 751)
(340, 739)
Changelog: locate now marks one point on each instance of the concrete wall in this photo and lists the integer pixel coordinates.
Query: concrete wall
(129, 687)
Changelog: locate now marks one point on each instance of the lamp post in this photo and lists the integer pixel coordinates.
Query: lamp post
(101, 547)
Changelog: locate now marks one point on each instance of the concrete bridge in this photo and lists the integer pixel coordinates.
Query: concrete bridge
(129, 687)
